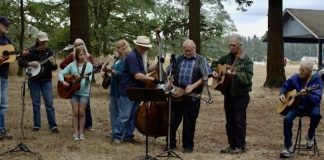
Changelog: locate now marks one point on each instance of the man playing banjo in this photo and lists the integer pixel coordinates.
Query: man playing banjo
(40, 83)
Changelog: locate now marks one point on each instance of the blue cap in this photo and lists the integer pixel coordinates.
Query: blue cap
(4, 21)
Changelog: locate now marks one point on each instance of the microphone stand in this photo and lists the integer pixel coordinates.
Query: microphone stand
(20, 145)
(168, 151)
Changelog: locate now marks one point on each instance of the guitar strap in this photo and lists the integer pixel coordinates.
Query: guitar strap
(234, 63)
(83, 69)
(308, 80)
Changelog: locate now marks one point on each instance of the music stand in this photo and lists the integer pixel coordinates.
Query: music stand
(146, 94)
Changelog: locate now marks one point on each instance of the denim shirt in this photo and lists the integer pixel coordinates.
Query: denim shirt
(118, 66)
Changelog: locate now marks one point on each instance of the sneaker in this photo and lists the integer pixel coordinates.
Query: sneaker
(89, 129)
(35, 129)
(227, 150)
(81, 136)
(76, 136)
(309, 142)
(109, 135)
(115, 141)
(237, 150)
(54, 131)
(286, 152)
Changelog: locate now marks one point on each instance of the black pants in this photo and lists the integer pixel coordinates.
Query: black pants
(187, 110)
(235, 111)
(88, 118)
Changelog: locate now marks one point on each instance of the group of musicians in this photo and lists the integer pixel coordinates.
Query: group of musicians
(130, 69)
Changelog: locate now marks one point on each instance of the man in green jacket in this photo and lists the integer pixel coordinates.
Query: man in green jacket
(239, 72)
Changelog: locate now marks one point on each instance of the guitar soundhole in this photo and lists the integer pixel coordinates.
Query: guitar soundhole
(5, 53)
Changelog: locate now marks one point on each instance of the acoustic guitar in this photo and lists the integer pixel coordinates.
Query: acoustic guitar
(291, 96)
(66, 92)
(222, 82)
(9, 53)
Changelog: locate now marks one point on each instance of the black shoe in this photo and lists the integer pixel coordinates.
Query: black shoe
(227, 150)
(35, 129)
(132, 141)
(187, 150)
(171, 148)
(54, 131)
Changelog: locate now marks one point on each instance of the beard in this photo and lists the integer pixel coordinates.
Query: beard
(144, 58)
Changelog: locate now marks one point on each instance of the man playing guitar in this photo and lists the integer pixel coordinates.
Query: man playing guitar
(309, 102)
(42, 83)
(239, 69)
(4, 69)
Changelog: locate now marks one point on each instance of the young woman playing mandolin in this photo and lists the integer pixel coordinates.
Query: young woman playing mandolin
(82, 70)
(122, 49)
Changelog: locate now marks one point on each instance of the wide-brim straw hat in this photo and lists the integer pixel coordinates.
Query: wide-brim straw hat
(143, 41)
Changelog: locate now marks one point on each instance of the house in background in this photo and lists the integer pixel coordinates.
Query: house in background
(304, 26)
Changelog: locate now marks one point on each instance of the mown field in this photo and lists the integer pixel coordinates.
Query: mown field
(264, 128)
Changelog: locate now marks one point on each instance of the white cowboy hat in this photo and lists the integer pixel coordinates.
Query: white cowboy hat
(143, 41)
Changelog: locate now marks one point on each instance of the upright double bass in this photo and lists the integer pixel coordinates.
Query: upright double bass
(155, 112)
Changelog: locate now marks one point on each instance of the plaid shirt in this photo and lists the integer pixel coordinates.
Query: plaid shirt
(186, 69)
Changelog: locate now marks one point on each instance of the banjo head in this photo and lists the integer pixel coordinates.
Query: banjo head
(34, 71)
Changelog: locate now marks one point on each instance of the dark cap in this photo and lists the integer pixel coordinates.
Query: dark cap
(4, 21)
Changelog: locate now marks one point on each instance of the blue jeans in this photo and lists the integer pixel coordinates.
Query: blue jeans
(3, 102)
(79, 99)
(125, 124)
(113, 110)
(312, 112)
(44, 87)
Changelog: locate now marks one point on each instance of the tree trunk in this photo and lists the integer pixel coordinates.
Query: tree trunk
(194, 22)
(275, 52)
(79, 18)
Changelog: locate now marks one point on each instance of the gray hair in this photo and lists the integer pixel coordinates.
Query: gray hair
(78, 42)
(238, 38)
(189, 42)
(307, 65)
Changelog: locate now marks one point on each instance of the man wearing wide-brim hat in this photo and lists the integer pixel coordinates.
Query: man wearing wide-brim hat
(133, 75)
(4, 70)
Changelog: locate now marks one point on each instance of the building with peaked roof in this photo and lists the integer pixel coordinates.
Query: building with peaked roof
(303, 26)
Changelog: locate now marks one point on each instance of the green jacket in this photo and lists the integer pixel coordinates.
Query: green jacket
(241, 84)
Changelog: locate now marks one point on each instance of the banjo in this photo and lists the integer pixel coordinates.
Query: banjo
(36, 71)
